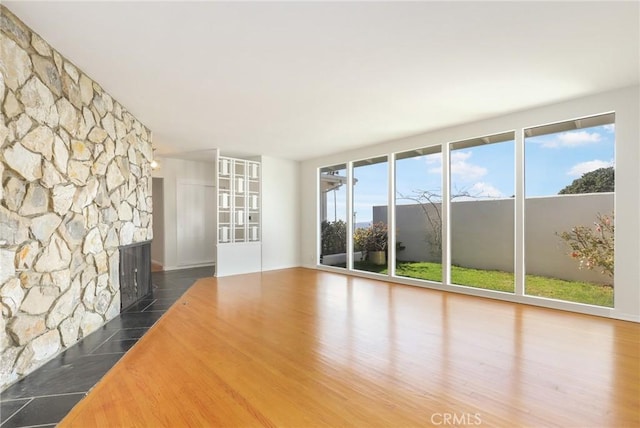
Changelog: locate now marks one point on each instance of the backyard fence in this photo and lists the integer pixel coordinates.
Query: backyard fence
(482, 233)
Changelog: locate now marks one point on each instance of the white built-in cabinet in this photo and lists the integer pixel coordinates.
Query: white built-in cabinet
(239, 222)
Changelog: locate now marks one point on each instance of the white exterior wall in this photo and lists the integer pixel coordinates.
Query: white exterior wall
(483, 234)
(414, 232)
(624, 102)
(546, 253)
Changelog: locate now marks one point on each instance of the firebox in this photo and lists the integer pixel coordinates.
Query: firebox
(135, 273)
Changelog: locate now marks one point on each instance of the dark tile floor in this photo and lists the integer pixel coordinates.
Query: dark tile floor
(45, 396)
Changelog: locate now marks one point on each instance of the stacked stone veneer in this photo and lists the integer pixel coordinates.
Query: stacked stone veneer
(76, 184)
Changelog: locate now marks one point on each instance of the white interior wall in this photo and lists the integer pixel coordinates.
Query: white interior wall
(280, 208)
(625, 102)
(280, 213)
(196, 222)
(174, 171)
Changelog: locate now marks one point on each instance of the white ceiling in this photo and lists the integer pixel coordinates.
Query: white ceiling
(299, 80)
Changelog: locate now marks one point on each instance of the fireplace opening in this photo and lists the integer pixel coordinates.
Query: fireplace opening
(135, 273)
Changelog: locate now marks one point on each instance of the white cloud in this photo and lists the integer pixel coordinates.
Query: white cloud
(578, 138)
(486, 190)
(610, 128)
(573, 139)
(434, 165)
(464, 170)
(583, 167)
(458, 156)
(480, 190)
(433, 160)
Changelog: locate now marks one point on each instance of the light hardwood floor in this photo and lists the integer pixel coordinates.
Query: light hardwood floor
(304, 348)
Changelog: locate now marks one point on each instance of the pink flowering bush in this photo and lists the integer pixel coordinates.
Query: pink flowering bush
(593, 246)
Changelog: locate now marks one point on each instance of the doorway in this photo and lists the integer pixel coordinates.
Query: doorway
(157, 245)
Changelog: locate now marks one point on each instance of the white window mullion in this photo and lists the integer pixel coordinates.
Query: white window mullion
(446, 205)
(391, 217)
(350, 225)
(320, 209)
(519, 213)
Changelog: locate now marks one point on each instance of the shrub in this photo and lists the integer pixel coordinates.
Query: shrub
(360, 237)
(333, 236)
(377, 239)
(593, 246)
(372, 238)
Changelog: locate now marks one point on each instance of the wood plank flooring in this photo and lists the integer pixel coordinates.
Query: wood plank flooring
(305, 348)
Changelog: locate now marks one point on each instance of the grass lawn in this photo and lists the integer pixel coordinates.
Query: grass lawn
(573, 291)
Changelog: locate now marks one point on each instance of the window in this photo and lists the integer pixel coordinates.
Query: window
(370, 199)
(569, 218)
(333, 216)
(419, 214)
(555, 187)
(482, 172)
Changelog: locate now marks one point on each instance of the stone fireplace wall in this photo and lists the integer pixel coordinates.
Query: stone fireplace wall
(76, 184)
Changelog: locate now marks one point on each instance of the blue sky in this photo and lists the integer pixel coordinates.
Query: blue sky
(551, 162)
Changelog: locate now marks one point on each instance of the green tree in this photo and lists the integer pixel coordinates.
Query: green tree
(596, 181)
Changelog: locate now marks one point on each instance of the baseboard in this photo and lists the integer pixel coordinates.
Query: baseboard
(167, 268)
(280, 267)
(626, 317)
